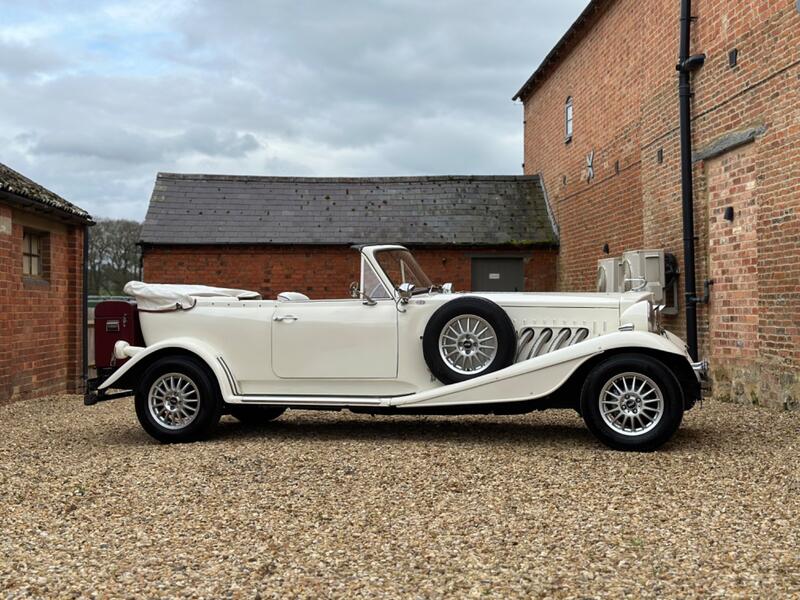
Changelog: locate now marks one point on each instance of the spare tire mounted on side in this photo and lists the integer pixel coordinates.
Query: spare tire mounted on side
(468, 337)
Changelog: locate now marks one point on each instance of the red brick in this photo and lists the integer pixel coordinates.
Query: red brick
(320, 271)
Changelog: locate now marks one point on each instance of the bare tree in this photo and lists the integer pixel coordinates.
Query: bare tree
(114, 257)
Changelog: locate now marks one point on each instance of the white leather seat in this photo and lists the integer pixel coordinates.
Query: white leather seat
(292, 297)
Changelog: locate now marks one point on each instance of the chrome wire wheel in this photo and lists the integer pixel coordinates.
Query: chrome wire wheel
(468, 344)
(631, 404)
(173, 401)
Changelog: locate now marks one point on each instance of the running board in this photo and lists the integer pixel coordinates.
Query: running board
(321, 401)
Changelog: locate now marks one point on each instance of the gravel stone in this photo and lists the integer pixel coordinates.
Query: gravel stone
(325, 504)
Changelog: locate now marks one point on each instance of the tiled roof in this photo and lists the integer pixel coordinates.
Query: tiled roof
(37, 196)
(466, 210)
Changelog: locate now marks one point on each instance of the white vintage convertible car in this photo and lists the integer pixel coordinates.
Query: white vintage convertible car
(401, 345)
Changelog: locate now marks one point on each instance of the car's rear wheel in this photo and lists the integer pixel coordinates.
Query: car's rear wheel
(255, 415)
(632, 402)
(177, 400)
(466, 338)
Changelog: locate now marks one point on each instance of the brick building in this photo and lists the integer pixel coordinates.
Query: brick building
(602, 130)
(275, 234)
(41, 289)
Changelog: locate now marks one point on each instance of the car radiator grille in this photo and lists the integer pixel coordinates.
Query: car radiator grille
(536, 341)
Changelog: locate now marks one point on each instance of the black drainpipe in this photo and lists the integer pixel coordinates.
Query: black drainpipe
(141, 260)
(687, 64)
(85, 307)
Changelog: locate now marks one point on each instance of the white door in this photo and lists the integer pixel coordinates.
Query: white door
(335, 339)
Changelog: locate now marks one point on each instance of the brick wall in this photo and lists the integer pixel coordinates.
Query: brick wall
(733, 256)
(320, 271)
(621, 76)
(40, 321)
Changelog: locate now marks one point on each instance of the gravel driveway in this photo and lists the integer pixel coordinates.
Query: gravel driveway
(333, 504)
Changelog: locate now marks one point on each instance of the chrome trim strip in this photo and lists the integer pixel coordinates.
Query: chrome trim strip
(700, 369)
(229, 375)
(343, 402)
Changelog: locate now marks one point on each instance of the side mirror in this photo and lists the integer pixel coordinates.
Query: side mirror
(355, 292)
(406, 290)
(447, 288)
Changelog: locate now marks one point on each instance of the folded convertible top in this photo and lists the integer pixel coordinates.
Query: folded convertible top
(163, 297)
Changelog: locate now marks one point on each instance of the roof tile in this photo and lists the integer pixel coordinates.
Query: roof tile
(466, 210)
(17, 184)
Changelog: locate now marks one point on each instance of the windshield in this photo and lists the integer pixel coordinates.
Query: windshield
(401, 267)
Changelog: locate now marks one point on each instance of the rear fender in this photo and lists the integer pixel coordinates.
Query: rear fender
(182, 346)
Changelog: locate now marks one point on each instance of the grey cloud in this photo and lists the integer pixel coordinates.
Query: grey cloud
(137, 148)
(336, 61)
(303, 88)
(214, 143)
(122, 146)
(25, 61)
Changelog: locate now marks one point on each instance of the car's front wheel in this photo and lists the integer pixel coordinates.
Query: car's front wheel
(632, 402)
(177, 401)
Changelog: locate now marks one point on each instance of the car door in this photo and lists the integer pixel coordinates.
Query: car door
(335, 339)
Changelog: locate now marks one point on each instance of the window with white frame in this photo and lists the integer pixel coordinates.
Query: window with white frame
(568, 120)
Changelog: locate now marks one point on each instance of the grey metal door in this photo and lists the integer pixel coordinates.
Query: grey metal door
(498, 275)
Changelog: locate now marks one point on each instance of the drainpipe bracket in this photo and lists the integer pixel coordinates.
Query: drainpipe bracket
(690, 64)
(691, 298)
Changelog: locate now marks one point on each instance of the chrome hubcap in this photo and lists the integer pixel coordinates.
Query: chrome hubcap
(468, 344)
(173, 401)
(631, 404)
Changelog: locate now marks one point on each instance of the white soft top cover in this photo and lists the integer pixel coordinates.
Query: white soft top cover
(163, 296)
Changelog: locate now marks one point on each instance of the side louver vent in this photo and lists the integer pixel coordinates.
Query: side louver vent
(536, 341)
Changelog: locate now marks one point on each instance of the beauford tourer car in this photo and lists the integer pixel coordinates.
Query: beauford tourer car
(397, 344)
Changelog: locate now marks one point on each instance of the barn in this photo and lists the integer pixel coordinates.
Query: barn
(41, 289)
(603, 130)
(275, 234)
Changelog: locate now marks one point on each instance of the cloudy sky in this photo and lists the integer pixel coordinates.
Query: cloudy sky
(97, 97)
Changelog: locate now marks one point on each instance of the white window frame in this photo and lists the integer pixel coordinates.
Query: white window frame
(569, 118)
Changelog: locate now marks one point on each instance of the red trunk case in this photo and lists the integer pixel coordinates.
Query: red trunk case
(114, 320)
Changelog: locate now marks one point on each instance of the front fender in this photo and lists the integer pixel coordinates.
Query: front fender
(191, 345)
(640, 339)
(539, 376)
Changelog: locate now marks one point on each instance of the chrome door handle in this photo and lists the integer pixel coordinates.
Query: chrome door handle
(288, 318)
